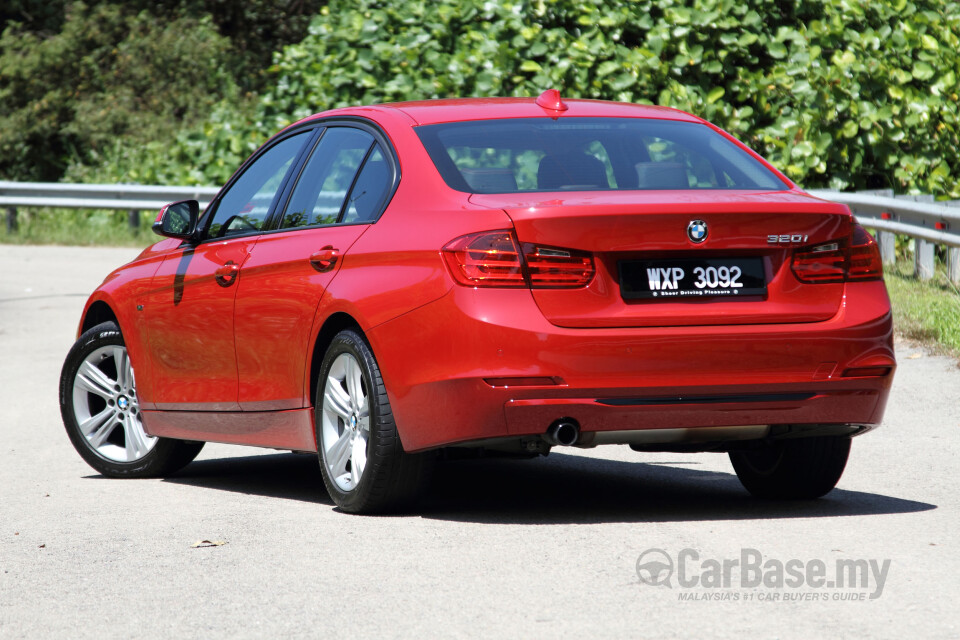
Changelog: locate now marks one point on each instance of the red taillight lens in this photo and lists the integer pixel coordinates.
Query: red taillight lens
(553, 268)
(865, 260)
(492, 259)
(853, 259)
(489, 259)
(821, 264)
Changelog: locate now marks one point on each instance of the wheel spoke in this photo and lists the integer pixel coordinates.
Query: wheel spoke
(335, 400)
(339, 454)
(91, 379)
(123, 366)
(358, 459)
(98, 436)
(354, 387)
(135, 437)
(91, 424)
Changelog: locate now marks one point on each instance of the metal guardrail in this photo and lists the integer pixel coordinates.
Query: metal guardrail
(98, 196)
(930, 223)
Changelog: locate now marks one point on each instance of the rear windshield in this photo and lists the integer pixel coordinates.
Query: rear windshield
(588, 154)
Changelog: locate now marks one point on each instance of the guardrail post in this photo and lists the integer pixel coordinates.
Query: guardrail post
(953, 255)
(953, 265)
(12, 224)
(886, 239)
(134, 218)
(924, 255)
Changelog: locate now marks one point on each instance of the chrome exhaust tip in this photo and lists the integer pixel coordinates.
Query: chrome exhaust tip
(564, 432)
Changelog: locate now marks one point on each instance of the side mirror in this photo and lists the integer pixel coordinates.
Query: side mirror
(178, 220)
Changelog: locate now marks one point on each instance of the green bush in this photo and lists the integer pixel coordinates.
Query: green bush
(837, 93)
(107, 80)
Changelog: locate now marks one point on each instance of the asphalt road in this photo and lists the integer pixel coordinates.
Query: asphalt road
(542, 548)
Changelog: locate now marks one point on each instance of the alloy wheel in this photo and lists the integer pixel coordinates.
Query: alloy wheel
(345, 422)
(106, 408)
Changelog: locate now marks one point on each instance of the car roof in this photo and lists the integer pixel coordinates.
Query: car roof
(426, 112)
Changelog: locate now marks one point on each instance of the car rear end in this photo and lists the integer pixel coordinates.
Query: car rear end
(664, 288)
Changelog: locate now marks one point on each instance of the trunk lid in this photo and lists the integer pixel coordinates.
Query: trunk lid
(632, 233)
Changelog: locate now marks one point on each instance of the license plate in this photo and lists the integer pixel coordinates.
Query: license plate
(692, 278)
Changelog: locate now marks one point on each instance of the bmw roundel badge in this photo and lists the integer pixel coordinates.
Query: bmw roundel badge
(697, 231)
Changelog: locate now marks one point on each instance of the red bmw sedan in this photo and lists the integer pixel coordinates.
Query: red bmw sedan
(378, 283)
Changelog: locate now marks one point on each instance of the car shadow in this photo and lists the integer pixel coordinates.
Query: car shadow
(560, 489)
(292, 476)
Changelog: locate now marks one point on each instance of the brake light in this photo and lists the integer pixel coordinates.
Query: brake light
(854, 259)
(493, 259)
(552, 268)
(821, 264)
(865, 260)
(489, 259)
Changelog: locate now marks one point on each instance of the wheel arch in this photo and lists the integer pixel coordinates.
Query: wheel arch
(98, 312)
(333, 325)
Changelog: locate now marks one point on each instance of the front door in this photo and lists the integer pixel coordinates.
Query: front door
(189, 310)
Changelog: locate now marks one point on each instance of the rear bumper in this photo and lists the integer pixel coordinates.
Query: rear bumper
(444, 365)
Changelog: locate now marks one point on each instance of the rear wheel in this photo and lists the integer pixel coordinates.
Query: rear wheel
(364, 466)
(101, 411)
(793, 469)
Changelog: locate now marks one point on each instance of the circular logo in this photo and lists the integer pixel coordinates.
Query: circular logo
(697, 231)
(654, 567)
(122, 402)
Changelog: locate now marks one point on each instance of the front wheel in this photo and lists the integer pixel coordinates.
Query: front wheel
(101, 412)
(804, 468)
(364, 466)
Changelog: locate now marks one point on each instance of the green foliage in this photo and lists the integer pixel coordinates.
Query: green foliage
(927, 311)
(75, 227)
(837, 93)
(89, 90)
(44, 16)
(256, 28)
(107, 79)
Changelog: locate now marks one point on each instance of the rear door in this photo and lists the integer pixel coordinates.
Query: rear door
(341, 190)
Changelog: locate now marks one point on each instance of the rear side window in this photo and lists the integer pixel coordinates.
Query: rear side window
(370, 188)
(586, 154)
(321, 191)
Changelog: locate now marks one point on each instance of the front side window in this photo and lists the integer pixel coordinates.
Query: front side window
(246, 204)
(586, 154)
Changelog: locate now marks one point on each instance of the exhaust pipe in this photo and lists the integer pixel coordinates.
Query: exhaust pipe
(564, 432)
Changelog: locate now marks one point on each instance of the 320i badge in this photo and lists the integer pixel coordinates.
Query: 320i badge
(378, 283)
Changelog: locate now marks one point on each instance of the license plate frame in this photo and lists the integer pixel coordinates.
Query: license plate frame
(692, 278)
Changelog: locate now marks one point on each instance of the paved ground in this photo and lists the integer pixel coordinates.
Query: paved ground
(520, 548)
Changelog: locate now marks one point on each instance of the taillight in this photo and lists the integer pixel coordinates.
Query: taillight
(489, 259)
(493, 259)
(853, 259)
(865, 260)
(552, 268)
(823, 263)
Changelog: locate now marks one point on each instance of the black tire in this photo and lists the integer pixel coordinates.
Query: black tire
(163, 456)
(391, 479)
(799, 469)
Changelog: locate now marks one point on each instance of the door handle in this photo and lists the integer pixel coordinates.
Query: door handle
(227, 274)
(325, 259)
